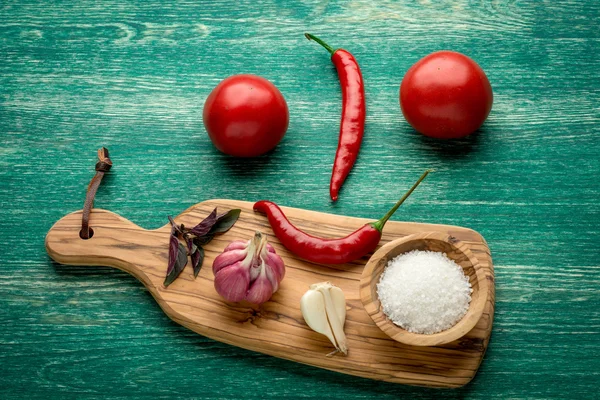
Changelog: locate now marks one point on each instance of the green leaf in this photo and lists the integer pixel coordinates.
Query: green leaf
(197, 259)
(225, 221)
(201, 241)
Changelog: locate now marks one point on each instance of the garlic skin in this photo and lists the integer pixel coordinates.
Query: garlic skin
(323, 307)
(248, 270)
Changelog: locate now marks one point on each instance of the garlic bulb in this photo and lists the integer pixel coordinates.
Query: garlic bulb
(248, 270)
(324, 310)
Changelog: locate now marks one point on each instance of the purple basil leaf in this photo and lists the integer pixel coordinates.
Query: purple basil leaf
(219, 216)
(180, 262)
(225, 221)
(173, 247)
(197, 258)
(204, 227)
(202, 240)
(192, 248)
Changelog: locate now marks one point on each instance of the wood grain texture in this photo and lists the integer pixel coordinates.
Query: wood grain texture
(133, 76)
(277, 327)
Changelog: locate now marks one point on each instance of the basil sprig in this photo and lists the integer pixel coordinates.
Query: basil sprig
(194, 238)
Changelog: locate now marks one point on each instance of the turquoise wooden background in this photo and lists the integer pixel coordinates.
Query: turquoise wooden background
(133, 76)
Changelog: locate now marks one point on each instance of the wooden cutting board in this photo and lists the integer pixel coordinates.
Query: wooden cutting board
(277, 327)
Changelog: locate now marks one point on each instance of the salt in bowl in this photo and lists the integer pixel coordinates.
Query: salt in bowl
(426, 241)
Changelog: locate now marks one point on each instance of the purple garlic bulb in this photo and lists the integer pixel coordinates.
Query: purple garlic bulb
(248, 270)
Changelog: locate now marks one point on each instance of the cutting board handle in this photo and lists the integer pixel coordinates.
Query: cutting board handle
(116, 242)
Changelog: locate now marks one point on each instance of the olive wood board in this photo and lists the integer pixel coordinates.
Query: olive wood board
(277, 327)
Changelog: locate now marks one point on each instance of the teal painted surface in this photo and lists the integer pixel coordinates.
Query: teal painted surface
(133, 77)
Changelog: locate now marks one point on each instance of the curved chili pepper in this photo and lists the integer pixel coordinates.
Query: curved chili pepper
(352, 125)
(328, 251)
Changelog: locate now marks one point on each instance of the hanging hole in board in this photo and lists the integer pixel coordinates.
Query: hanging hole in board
(91, 234)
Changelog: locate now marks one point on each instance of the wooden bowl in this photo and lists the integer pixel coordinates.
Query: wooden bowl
(432, 241)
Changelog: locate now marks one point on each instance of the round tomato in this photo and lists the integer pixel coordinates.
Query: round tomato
(245, 116)
(445, 95)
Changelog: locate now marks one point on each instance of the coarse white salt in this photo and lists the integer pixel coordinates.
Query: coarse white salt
(424, 291)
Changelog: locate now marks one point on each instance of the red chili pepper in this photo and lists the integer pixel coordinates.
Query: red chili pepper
(352, 125)
(328, 251)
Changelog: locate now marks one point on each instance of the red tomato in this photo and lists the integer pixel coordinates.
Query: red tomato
(245, 116)
(445, 95)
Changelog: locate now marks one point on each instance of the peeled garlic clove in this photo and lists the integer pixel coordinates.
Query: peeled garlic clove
(339, 302)
(336, 320)
(312, 306)
(232, 282)
(228, 258)
(324, 310)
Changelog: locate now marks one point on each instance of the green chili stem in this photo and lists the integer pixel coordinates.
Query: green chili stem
(330, 49)
(380, 224)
